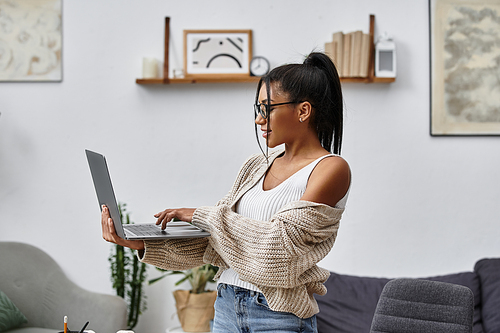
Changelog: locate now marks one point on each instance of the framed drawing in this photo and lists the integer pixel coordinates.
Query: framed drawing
(31, 40)
(216, 52)
(465, 67)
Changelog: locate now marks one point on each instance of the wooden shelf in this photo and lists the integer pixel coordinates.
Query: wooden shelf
(209, 78)
(252, 79)
(202, 79)
(372, 79)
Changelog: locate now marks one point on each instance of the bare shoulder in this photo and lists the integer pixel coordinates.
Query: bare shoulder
(329, 181)
(332, 171)
(333, 165)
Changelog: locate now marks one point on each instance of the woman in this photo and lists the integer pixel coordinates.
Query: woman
(282, 215)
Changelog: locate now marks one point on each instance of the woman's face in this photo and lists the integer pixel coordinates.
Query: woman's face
(278, 128)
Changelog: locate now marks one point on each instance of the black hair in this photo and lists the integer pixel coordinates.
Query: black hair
(316, 80)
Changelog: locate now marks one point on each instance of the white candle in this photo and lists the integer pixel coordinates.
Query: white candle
(149, 68)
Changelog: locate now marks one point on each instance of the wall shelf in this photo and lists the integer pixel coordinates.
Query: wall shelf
(372, 79)
(212, 78)
(251, 79)
(201, 79)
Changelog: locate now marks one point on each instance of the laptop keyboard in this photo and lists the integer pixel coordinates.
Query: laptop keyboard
(145, 229)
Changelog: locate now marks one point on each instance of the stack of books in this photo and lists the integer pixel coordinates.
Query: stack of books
(350, 52)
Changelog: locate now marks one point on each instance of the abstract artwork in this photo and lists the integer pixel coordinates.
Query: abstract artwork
(30, 40)
(465, 67)
(217, 51)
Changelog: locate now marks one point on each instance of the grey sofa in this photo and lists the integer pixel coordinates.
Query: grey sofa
(38, 287)
(350, 303)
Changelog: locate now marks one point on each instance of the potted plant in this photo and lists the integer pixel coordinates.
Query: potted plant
(195, 307)
(128, 276)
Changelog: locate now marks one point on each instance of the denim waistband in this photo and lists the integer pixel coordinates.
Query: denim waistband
(239, 290)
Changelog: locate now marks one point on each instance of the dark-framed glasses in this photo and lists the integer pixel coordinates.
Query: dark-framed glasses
(264, 109)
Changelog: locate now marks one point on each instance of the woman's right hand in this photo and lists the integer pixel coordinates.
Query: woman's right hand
(110, 235)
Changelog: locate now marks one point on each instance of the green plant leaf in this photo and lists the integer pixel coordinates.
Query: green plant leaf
(128, 276)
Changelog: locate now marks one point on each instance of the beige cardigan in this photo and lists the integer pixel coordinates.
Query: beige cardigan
(278, 256)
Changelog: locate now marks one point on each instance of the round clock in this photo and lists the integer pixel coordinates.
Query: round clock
(259, 66)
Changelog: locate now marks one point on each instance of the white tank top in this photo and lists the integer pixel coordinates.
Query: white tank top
(261, 205)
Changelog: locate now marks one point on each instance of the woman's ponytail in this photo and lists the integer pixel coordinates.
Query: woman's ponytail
(329, 112)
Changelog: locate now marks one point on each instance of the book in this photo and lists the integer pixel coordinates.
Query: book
(365, 56)
(346, 58)
(338, 37)
(356, 39)
(331, 50)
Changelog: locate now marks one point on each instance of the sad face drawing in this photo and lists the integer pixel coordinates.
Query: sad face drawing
(217, 53)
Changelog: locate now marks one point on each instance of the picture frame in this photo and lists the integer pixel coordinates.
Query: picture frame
(464, 62)
(31, 41)
(217, 52)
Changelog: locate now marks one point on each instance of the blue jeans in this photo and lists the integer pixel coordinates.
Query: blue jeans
(239, 310)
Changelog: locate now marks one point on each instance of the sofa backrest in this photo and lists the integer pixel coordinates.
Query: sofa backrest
(36, 284)
(350, 302)
(28, 277)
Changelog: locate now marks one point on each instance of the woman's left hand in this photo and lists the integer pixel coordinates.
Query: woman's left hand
(183, 214)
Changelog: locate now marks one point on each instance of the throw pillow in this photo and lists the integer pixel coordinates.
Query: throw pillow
(489, 273)
(10, 316)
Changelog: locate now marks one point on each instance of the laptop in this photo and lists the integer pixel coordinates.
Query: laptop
(106, 196)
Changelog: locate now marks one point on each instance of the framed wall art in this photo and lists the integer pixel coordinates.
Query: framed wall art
(215, 52)
(31, 40)
(465, 67)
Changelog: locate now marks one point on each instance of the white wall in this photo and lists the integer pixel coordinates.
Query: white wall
(419, 205)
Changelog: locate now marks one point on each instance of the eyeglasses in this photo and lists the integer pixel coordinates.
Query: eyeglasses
(265, 109)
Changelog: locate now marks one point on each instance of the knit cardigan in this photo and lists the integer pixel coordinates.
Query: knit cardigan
(277, 256)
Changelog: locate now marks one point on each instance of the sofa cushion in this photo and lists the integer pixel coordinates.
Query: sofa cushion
(488, 271)
(10, 316)
(349, 304)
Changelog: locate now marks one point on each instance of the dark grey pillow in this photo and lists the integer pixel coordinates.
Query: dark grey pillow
(488, 271)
